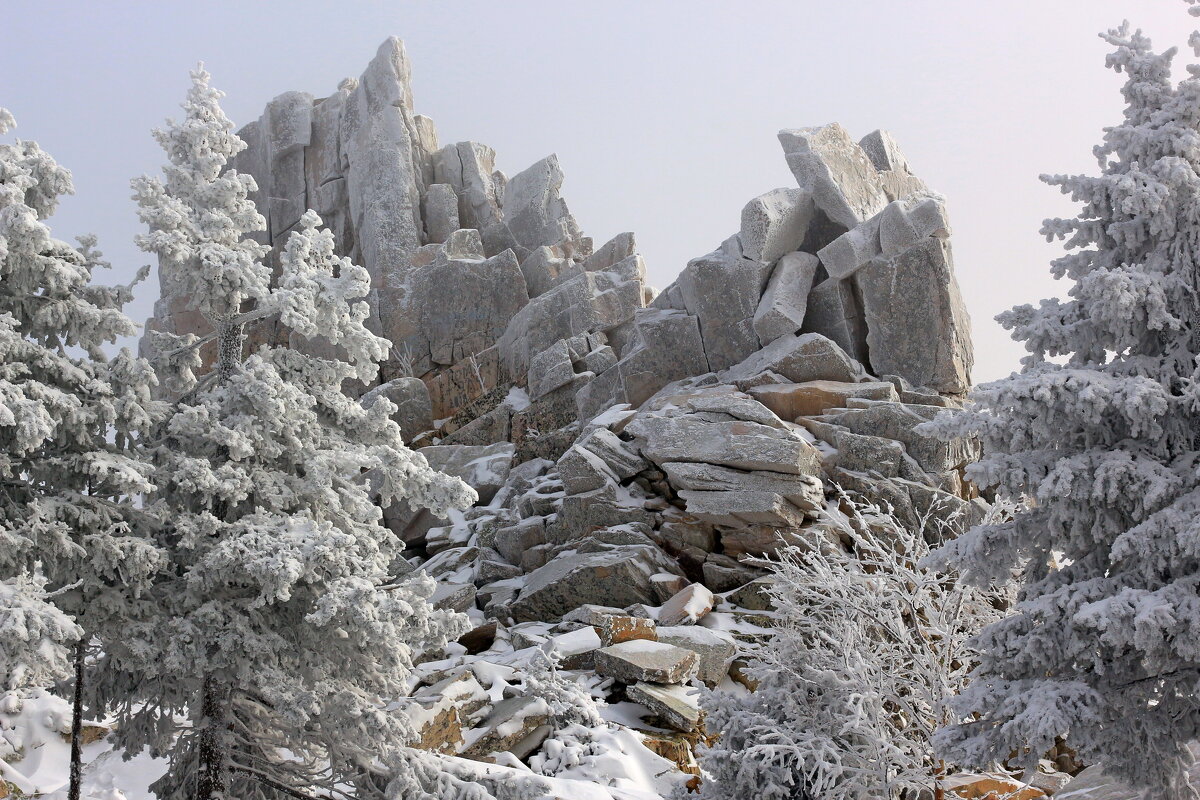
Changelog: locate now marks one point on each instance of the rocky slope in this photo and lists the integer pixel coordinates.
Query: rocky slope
(632, 449)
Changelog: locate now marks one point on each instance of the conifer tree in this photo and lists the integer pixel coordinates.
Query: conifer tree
(279, 633)
(1101, 429)
(74, 554)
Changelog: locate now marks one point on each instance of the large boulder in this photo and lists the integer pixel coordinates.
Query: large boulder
(775, 223)
(722, 290)
(716, 650)
(677, 707)
(736, 443)
(533, 211)
(798, 358)
(843, 181)
(917, 323)
(645, 660)
(834, 310)
(900, 225)
(470, 169)
(783, 305)
(618, 576)
(455, 305)
(704, 486)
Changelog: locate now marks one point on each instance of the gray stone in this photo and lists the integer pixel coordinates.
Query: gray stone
(784, 303)
(592, 615)
(845, 254)
(843, 181)
(675, 706)
(742, 507)
(720, 399)
(799, 358)
(668, 348)
(802, 491)
(767, 540)
(587, 303)
(716, 650)
(287, 130)
(615, 453)
(533, 210)
(722, 573)
(441, 212)
(917, 323)
(613, 251)
(379, 141)
(644, 660)
(899, 226)
(835, 311)
(618, 576)
(899, 422)
(881, 148)
(869, 454)
(738, 444)
(454, 596)
(582, 514)
(722, 290)
(583, 471)
(414, 413)
(775, 223)
(667, 585)
(484, 468)
(470, 168)
(550, 369)
(547, 267)
(895, 175)
(457, 305)
(755, 596)
(514, 540)
(687, 606)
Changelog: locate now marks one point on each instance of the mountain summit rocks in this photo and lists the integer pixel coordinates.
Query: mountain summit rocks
(627, 442)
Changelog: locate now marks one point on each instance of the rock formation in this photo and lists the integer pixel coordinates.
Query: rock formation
(631, 448)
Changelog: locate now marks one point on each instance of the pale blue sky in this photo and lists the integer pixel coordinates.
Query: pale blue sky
(663, 113)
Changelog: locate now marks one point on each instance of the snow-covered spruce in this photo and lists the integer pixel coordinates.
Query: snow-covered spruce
(70, 535)
(278, 632)
(869, 649)
(1105, 645)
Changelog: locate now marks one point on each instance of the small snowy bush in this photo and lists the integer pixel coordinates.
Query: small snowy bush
(869, 648)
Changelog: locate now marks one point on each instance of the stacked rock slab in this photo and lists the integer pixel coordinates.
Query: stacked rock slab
(626, 443)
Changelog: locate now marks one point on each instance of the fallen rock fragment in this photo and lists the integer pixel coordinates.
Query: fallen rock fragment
(643, 660)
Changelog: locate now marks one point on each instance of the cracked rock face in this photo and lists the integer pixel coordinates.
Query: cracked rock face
(633, 450)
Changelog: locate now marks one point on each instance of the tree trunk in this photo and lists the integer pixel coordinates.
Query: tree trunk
(77, 722)
(230, 339)
(213, 759)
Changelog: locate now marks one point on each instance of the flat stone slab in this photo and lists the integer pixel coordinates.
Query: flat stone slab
(812, 398)
(643, 660)
(716, 650)
(617, 629)
(675, 706)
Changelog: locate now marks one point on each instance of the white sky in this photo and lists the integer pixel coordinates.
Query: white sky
(662, 112)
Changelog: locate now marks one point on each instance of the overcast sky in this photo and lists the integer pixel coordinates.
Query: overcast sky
(663, 113)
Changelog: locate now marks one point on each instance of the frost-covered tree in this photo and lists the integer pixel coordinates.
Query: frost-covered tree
(1104, 647)
(72, 542)
(869, 648)
(278, 635)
